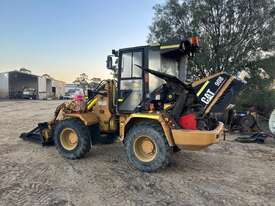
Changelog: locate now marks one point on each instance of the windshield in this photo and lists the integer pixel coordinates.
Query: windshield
(167, 65)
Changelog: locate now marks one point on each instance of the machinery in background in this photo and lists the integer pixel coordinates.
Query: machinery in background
(261, 137)
(238, 121)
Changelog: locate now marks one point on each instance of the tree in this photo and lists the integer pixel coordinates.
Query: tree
(233, 32)
(94, 83)
(82, 81)
(235, 35)
(258, 91)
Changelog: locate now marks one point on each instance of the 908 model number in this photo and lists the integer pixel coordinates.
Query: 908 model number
(219, 81)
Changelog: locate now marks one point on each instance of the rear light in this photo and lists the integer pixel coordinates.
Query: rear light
(195, 41)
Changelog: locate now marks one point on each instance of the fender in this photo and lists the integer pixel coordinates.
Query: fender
(127, 120)
(89, 118)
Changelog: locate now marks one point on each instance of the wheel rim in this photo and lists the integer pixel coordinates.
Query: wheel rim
(68, 139)
(145, 148)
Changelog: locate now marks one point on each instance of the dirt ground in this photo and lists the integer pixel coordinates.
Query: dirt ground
(228, 173)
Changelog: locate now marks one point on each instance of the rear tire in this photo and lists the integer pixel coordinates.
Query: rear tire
(147, 147)
(72, 139)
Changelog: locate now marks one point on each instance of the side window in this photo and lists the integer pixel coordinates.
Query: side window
(154, 64)
(131, 82)
(137, 60)
(128, 65)
(131, 92)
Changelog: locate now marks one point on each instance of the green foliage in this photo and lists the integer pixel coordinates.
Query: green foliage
(262, 100)
(235, 35)
(258, 92)
(233, 32)
(82, 81)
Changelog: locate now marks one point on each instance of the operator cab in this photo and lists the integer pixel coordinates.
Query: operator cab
(136, 85)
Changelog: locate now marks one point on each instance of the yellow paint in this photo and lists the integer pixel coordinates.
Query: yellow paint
(202, 88)
(173, 46)
(68, 139)
(197, 139)
(145, 149)
(88, 118)
(167, 106)
(147, 116)
(91, 103)
(158, 117)
(196, 83)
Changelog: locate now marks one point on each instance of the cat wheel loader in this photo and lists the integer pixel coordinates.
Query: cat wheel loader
(148, 106)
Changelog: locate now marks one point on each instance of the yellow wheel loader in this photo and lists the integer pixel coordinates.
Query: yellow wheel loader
(148, 107)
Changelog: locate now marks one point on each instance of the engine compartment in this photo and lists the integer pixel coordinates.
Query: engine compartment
(190, 105)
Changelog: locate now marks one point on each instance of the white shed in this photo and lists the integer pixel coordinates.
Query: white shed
(58, 88)
(4, 85)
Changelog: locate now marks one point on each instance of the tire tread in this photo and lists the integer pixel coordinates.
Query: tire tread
(162, 160)
(81, 130)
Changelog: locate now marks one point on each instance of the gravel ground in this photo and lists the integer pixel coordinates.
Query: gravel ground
(227, 173)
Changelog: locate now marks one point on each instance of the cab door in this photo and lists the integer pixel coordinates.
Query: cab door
(131, 84)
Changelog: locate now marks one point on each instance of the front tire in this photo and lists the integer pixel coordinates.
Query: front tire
(72, 139)
(147, 147)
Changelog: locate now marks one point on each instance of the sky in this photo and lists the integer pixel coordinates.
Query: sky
(64, 38)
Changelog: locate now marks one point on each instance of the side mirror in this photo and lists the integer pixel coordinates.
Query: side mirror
(109, 62)
(115, 52)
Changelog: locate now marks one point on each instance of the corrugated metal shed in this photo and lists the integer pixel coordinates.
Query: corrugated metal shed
(13, 83)
(18, 81)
